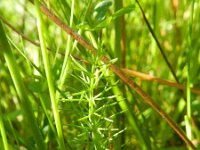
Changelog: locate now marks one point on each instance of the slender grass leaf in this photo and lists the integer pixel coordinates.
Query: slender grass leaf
(123, 11)
(104, 23)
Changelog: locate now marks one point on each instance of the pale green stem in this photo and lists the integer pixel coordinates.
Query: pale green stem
(65, 67)
(3, 133)
(189, 111)
(49, 78)
(130, 117)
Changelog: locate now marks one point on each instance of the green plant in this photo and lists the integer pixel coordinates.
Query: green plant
(74, 91)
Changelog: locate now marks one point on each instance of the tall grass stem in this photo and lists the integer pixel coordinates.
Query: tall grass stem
(189, 111)
(47, 68)
(3, 132)
(20, 87)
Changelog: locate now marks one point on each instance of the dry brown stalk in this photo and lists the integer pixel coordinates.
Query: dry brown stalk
(144, 76)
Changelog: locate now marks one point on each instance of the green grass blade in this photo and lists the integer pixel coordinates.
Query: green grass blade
(131, 118)
(49, 77)
(188, 124)
(65, 67)
(20, 88)
(3, 132)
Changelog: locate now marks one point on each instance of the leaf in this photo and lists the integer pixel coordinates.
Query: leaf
(101, 9)
(103, 5)
(103, 24)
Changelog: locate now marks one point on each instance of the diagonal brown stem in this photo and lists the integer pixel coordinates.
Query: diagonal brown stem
(129, 72)
(118, 72)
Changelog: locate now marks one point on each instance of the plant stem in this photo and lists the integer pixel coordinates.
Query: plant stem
(118, 33)
(3, 132)
(144, 76)
(120, 51)
(49, 77)
(131, 118)
(188, 116)
(20, 88)
(68, 50)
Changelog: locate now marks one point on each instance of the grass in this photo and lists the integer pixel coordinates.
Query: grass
(20, 88)
(51, 88)
(83, 79)
(188, 121)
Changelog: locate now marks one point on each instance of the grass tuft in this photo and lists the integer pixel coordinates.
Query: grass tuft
(91, 74)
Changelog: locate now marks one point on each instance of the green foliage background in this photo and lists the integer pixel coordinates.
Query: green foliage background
(97, 110)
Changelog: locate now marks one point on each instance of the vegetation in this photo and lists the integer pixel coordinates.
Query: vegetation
(93, 74)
